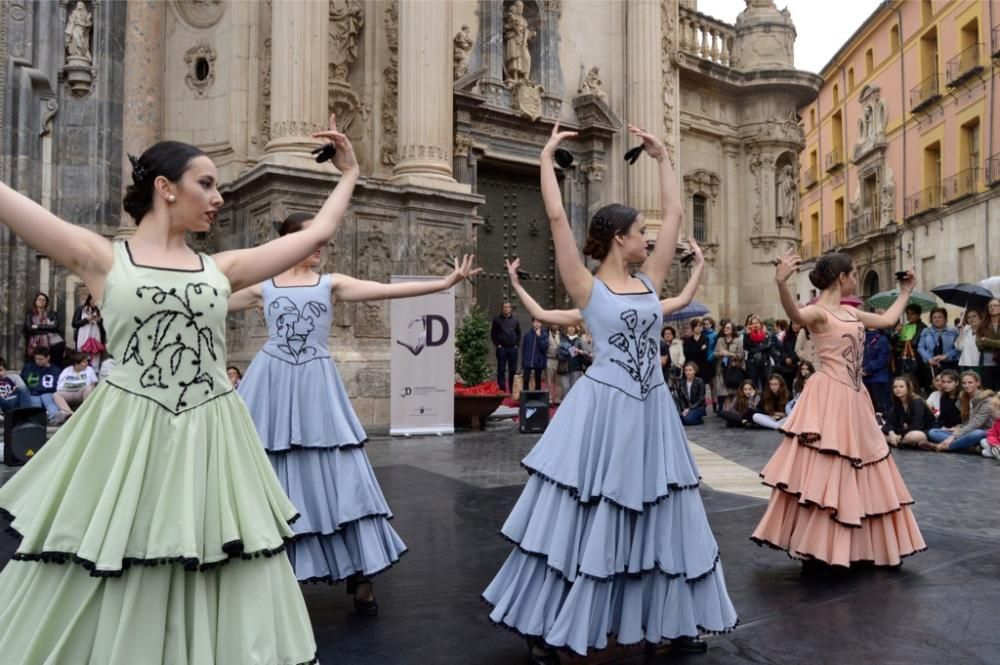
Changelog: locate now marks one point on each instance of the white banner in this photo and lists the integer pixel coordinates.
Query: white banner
(422, 362)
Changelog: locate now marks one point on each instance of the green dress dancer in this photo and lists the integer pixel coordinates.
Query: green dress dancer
(152, 526)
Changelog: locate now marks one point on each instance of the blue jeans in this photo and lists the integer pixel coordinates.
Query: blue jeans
(695, 416)
(46, 400)
(961, 443)
(21, 397)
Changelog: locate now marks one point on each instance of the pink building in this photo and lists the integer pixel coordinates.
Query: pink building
(902, 159)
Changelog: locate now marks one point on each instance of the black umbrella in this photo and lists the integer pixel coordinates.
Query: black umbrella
(963, 295)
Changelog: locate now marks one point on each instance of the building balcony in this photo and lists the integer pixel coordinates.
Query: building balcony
(962, 184)
(964, 66)
(993, 169)
(922, 201)
(809, 250)
(835, 159)
(704, 37)
(809, 178)
(834, 239)
(925, 93)
(861, 224)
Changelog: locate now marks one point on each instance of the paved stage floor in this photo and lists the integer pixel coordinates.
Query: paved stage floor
(451, 494)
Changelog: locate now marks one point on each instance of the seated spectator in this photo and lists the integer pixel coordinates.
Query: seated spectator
(934, 399)
(235, 376)
(990, 445)
(806, 370)
(948, 414)
(774, 405)
(77, 381)
(742, 407)
(107, 365)
(13, 392)
(908, 417)
(977, 417)
(42, 378)
(691, 396)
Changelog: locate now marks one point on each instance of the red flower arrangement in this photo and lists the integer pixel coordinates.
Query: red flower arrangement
(484, 389)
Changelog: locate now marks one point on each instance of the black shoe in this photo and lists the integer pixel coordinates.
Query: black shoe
(366, 608)
(815, 568)
(686, 644)
(540, 653)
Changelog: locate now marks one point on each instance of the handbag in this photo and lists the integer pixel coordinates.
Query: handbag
(733, 376)
(562, 366)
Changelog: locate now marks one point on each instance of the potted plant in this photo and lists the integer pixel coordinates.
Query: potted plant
(475, 396)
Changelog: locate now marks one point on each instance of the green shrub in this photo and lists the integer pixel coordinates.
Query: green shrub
(472, 346)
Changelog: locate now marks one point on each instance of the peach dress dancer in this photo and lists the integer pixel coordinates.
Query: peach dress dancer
(837, 495)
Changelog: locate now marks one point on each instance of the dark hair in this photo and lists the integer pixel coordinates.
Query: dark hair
(693, 365)
(44, 295)
(169, 159)
(914, 308)
(3, 362)
(235, 369)
(911, 393)
(75, 357)
(41, 351)
(799, 383)
(610, 221)
(829, 268)
(964, 399)
(673, 331)
(696, 322)
(781, 324)
(294, 222)
(772, 403)
(954, 376)
(985, 324)
(741, 403)
(942, 311)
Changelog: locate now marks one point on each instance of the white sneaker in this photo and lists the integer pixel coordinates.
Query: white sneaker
(985, 452)
(995, 452)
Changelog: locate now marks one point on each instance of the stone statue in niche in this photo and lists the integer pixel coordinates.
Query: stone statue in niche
(787, 196)
(78, 29)
(887, 197)
(592, 84)
(516, 35)
(462, 48)
(347, 17)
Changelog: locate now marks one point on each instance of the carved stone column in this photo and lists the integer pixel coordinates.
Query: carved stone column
(644, 102)
(299, 71)
(142, 109)
(425, 95)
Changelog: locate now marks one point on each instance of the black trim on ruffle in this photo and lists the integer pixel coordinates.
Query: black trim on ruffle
(575, 493)
(808, 503)
(163, 406)
(328, 579)
(800, 556)
(297, 448)
(388, 517)
(634, 575)
(804, 439)
(234, 549)
(592, 649)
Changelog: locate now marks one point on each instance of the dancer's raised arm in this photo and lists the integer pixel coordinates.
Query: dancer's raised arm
(684, 298)
(891, 316)
(575, 276)
(657, 266)
(244, 267)
(808, 316)
(248, 298)
(559, 317)
(350, 289)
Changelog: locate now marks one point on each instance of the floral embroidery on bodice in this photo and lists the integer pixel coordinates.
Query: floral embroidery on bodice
(298, 320)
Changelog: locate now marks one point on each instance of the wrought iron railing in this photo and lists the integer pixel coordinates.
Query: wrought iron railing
(834, 159)
(993, 169)
(809, 250)
(964, 183)
(834, 239)
(922, 201)
(860, 224)
(809, 177)
(925, 93)
(965, 65)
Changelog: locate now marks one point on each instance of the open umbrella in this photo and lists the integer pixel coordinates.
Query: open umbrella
(884, 300)
(850, 301)
(992, 284)
(963, 295)
(689, 311)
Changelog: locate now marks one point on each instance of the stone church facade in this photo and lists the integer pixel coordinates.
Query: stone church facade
(448, 104)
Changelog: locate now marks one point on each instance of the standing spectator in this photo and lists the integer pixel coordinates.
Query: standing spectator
(875, 368)
(757, 346)
(742, 407)
(586, 347)
(990, 445)
(506, 335)
(787, 360)
(970, 356)
(691, 396)
(13, 392)
(235, 376)
(988, 343)
(671, 358)
(780, 329)
(533, 350)
(571, 361)
(805, 349)
(42, 378)
(708, 329)
(696, 350)
(76, 381)
(908, 417)
(41, 329)
(774, 404)
(937, 344)
(90, 335)
(552, 364)
(907, 360)
(977, 417)
(729, 373)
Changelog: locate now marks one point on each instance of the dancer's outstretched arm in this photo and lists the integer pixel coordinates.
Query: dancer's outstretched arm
(684, 298)
(559, 317)
(349, 289)
(891, 316)
(248, 298)
(657, 265)
(83, 252)
(575, 276)
(245, 267)
(808, 316)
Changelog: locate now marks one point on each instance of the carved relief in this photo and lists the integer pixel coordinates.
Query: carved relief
(668, 10)
(347, 17)
(438, 246)
(594, 170)
(592, 84)
(374, 263)
(787, 196)
(284, 128)
(526, 99)
(463, 142)
(871, 124)
(200, 60)
(462, 47)
(78, 68)
(888, 197)
(200, 13)
(516, 53)
(783, 127)
(390, 76)
(265, 93)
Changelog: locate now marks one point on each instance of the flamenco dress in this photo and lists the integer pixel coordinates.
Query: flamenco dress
(314, 441)
(837, 494)
(152, 527)
(610, 533)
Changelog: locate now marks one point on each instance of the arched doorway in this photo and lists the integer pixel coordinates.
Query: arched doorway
(871, 284)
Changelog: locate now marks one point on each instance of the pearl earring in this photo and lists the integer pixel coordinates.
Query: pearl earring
(171, 198)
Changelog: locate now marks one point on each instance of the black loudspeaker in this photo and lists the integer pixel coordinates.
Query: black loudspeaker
(23, 434)
(533, 414)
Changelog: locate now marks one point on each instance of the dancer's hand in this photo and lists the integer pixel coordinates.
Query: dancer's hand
(463, 270)
(698, 258)
(651, 143)
(786, 266)
(512, 267)
(555, 138)
(344, 159)
(910, 282)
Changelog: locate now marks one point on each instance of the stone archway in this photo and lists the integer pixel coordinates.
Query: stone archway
(871, 284)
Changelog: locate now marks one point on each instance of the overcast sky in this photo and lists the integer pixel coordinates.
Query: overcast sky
(822, 27)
